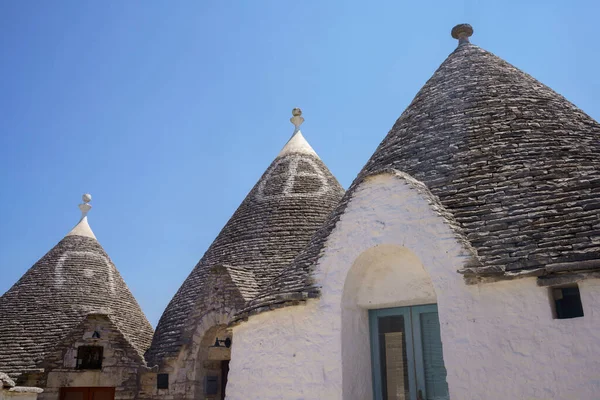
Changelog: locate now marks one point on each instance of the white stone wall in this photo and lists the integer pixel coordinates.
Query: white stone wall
(500, 340)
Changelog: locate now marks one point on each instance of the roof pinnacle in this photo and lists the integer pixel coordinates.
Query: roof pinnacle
(83, 228)
(297, 118)
(85, 207)
(462, 32)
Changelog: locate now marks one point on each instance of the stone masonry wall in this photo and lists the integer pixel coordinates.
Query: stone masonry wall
(120, 364)
(9, 390)
(219, 301)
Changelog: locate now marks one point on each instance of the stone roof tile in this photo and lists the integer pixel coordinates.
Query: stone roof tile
(515, 164)
(75, 278)
(274, 222)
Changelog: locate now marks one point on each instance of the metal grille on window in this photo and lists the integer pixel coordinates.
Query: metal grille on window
(89, 357)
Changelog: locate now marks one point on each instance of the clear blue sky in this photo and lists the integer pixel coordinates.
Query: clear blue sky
(169, 111)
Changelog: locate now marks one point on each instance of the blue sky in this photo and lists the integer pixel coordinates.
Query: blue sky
(169, 112)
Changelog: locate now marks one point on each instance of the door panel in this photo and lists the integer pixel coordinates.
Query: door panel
(392, 355)
(407, 354)
(224, 373)
(431, 372)
(79, 395)
(87, 393)
(102, 393)
(393, 360)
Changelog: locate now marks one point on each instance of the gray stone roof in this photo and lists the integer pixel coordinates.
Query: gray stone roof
(515, 164)
(275, 221)
(72, 280)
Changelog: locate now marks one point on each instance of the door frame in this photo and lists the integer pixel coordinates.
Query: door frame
(414, 346)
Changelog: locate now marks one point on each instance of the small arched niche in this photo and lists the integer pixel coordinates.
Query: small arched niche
(383, 276)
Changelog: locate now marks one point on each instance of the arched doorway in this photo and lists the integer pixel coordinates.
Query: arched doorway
(213, 363)
(391, 345)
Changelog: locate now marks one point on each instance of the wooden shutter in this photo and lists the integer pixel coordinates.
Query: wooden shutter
(429, 359)
(406, 350)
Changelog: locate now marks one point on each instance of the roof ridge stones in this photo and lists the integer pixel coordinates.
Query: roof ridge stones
(274, 222)
(515, 164)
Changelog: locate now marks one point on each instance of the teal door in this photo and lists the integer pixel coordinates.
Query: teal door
(406, 349)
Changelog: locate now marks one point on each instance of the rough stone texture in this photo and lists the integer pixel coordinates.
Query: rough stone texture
(20, 393)
(515, 164)
(6, 381)
(500, 340)
(54, 296)
(220, 299)
(274, 222)
(120, 365)
(9, 390)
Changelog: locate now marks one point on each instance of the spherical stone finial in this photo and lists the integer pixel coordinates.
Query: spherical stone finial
(297, 118)
(85, 207)
(462, 32)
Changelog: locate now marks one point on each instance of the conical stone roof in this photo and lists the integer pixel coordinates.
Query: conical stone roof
(515, 164)
(74, 279)
(274, 222)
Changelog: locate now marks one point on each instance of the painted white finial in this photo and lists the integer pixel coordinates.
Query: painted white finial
(83, 228)
(85, 207)
(297, 143)
(297, 118)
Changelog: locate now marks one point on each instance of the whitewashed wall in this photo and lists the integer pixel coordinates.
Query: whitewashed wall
(499, 339)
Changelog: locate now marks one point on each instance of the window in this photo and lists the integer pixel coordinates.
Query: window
(567, 302)
(406, 349)
(89, 357)
(162, 381)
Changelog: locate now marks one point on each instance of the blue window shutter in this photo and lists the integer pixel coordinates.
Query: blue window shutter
(424, 358)
(429, 357)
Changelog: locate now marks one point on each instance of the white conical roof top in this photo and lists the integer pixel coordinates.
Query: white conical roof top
(83, 227)
(297, 143)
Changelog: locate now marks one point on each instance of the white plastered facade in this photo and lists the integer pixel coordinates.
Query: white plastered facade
(390, 248)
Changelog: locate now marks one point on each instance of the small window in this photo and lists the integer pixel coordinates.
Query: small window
(89, 357)
(162, 381)
(567, 302)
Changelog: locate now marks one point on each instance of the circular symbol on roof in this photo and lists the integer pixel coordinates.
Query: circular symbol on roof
(70, 262)
(293, 176)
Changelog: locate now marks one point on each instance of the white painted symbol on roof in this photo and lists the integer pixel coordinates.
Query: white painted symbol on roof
(59, 276)
(290, 175)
